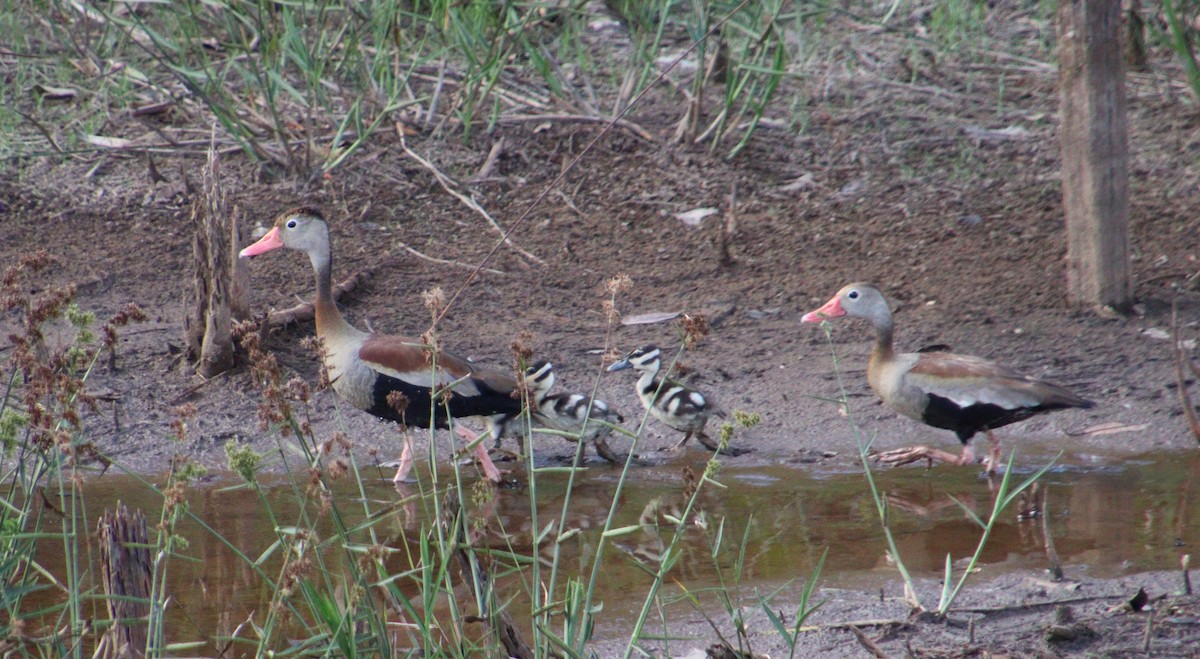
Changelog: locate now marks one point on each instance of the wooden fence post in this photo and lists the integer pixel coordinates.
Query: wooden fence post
(1095, 153)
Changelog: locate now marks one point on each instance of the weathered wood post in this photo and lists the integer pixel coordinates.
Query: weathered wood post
(1095, 153)
(221, 285)
(125, 568)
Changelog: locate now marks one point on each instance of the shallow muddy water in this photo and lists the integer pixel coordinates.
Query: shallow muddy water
(1124, 516)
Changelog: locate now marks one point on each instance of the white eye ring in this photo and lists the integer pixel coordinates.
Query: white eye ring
(853, 295)
(291, 224)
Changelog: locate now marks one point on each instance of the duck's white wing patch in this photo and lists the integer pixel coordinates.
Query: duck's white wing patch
(966, 380)
(428, 378)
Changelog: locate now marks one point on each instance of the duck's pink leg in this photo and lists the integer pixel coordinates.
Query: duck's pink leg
(406, 460)
(492, 473)
(993, 452)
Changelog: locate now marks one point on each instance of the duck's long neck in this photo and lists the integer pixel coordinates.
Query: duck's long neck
(883, 350)
(541, 390)
(330, 322)
(649, 372)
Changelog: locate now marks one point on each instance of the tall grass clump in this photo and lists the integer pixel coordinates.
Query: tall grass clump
(1003, 495)
(1181, 36)
(742, 47)
(45, 448)
(303, 86)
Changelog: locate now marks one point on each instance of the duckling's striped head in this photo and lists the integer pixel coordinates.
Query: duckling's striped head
(645, 358)
(540, 376)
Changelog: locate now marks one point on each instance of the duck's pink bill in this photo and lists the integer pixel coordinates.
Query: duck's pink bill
(832, 309)
(265, 244)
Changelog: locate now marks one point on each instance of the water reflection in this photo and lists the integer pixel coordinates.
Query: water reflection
(1140, 516)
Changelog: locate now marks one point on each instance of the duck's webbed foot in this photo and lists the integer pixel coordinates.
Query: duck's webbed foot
(714, 445)
(903, 456)
(606, 452)
(681, 443)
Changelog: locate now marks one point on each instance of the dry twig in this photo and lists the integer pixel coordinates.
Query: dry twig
(445, 182)
(1185, 397)
(489, 163)
(580, 119)
(304, 311)
(1048, 540)
(456, 264)
(868, 643)
(725, 234)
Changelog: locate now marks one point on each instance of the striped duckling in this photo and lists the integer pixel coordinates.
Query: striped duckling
(569, 412)
(676, 405)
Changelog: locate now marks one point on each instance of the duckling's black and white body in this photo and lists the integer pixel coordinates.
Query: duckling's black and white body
(573, 413)
(677, 405)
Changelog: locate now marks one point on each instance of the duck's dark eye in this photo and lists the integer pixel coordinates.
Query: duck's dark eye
(853, 295)
(291, 224)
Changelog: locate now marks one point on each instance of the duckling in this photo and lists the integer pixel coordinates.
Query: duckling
(680, 407)
(570, 412)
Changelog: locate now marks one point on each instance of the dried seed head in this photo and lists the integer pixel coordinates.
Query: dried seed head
(338, 467)
(618, 284)
(397, 401)
(694, 328)
(434, 300)
(610, 310)
(431, 347)
(298, 390)
(520, 349)
(131, 313)
(690, 482)
(317, 345)
(611, 355)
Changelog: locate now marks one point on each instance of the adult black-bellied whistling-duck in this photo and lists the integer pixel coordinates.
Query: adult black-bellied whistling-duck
(962, 393)
(678, 406)
(571, 412)
(365, 368)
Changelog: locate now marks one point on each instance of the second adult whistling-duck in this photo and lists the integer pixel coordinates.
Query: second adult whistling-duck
(945, 390)
(573, 413)
(365, 368)
(676, 405)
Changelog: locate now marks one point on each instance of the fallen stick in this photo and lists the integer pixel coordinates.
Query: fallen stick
(1032, 605)
(869, 644)
(879, 622)
(434, 259)
(304, 312)
(445, 182)
(1048, 540)
(489, 163)
(579, 119)
(197, 387)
